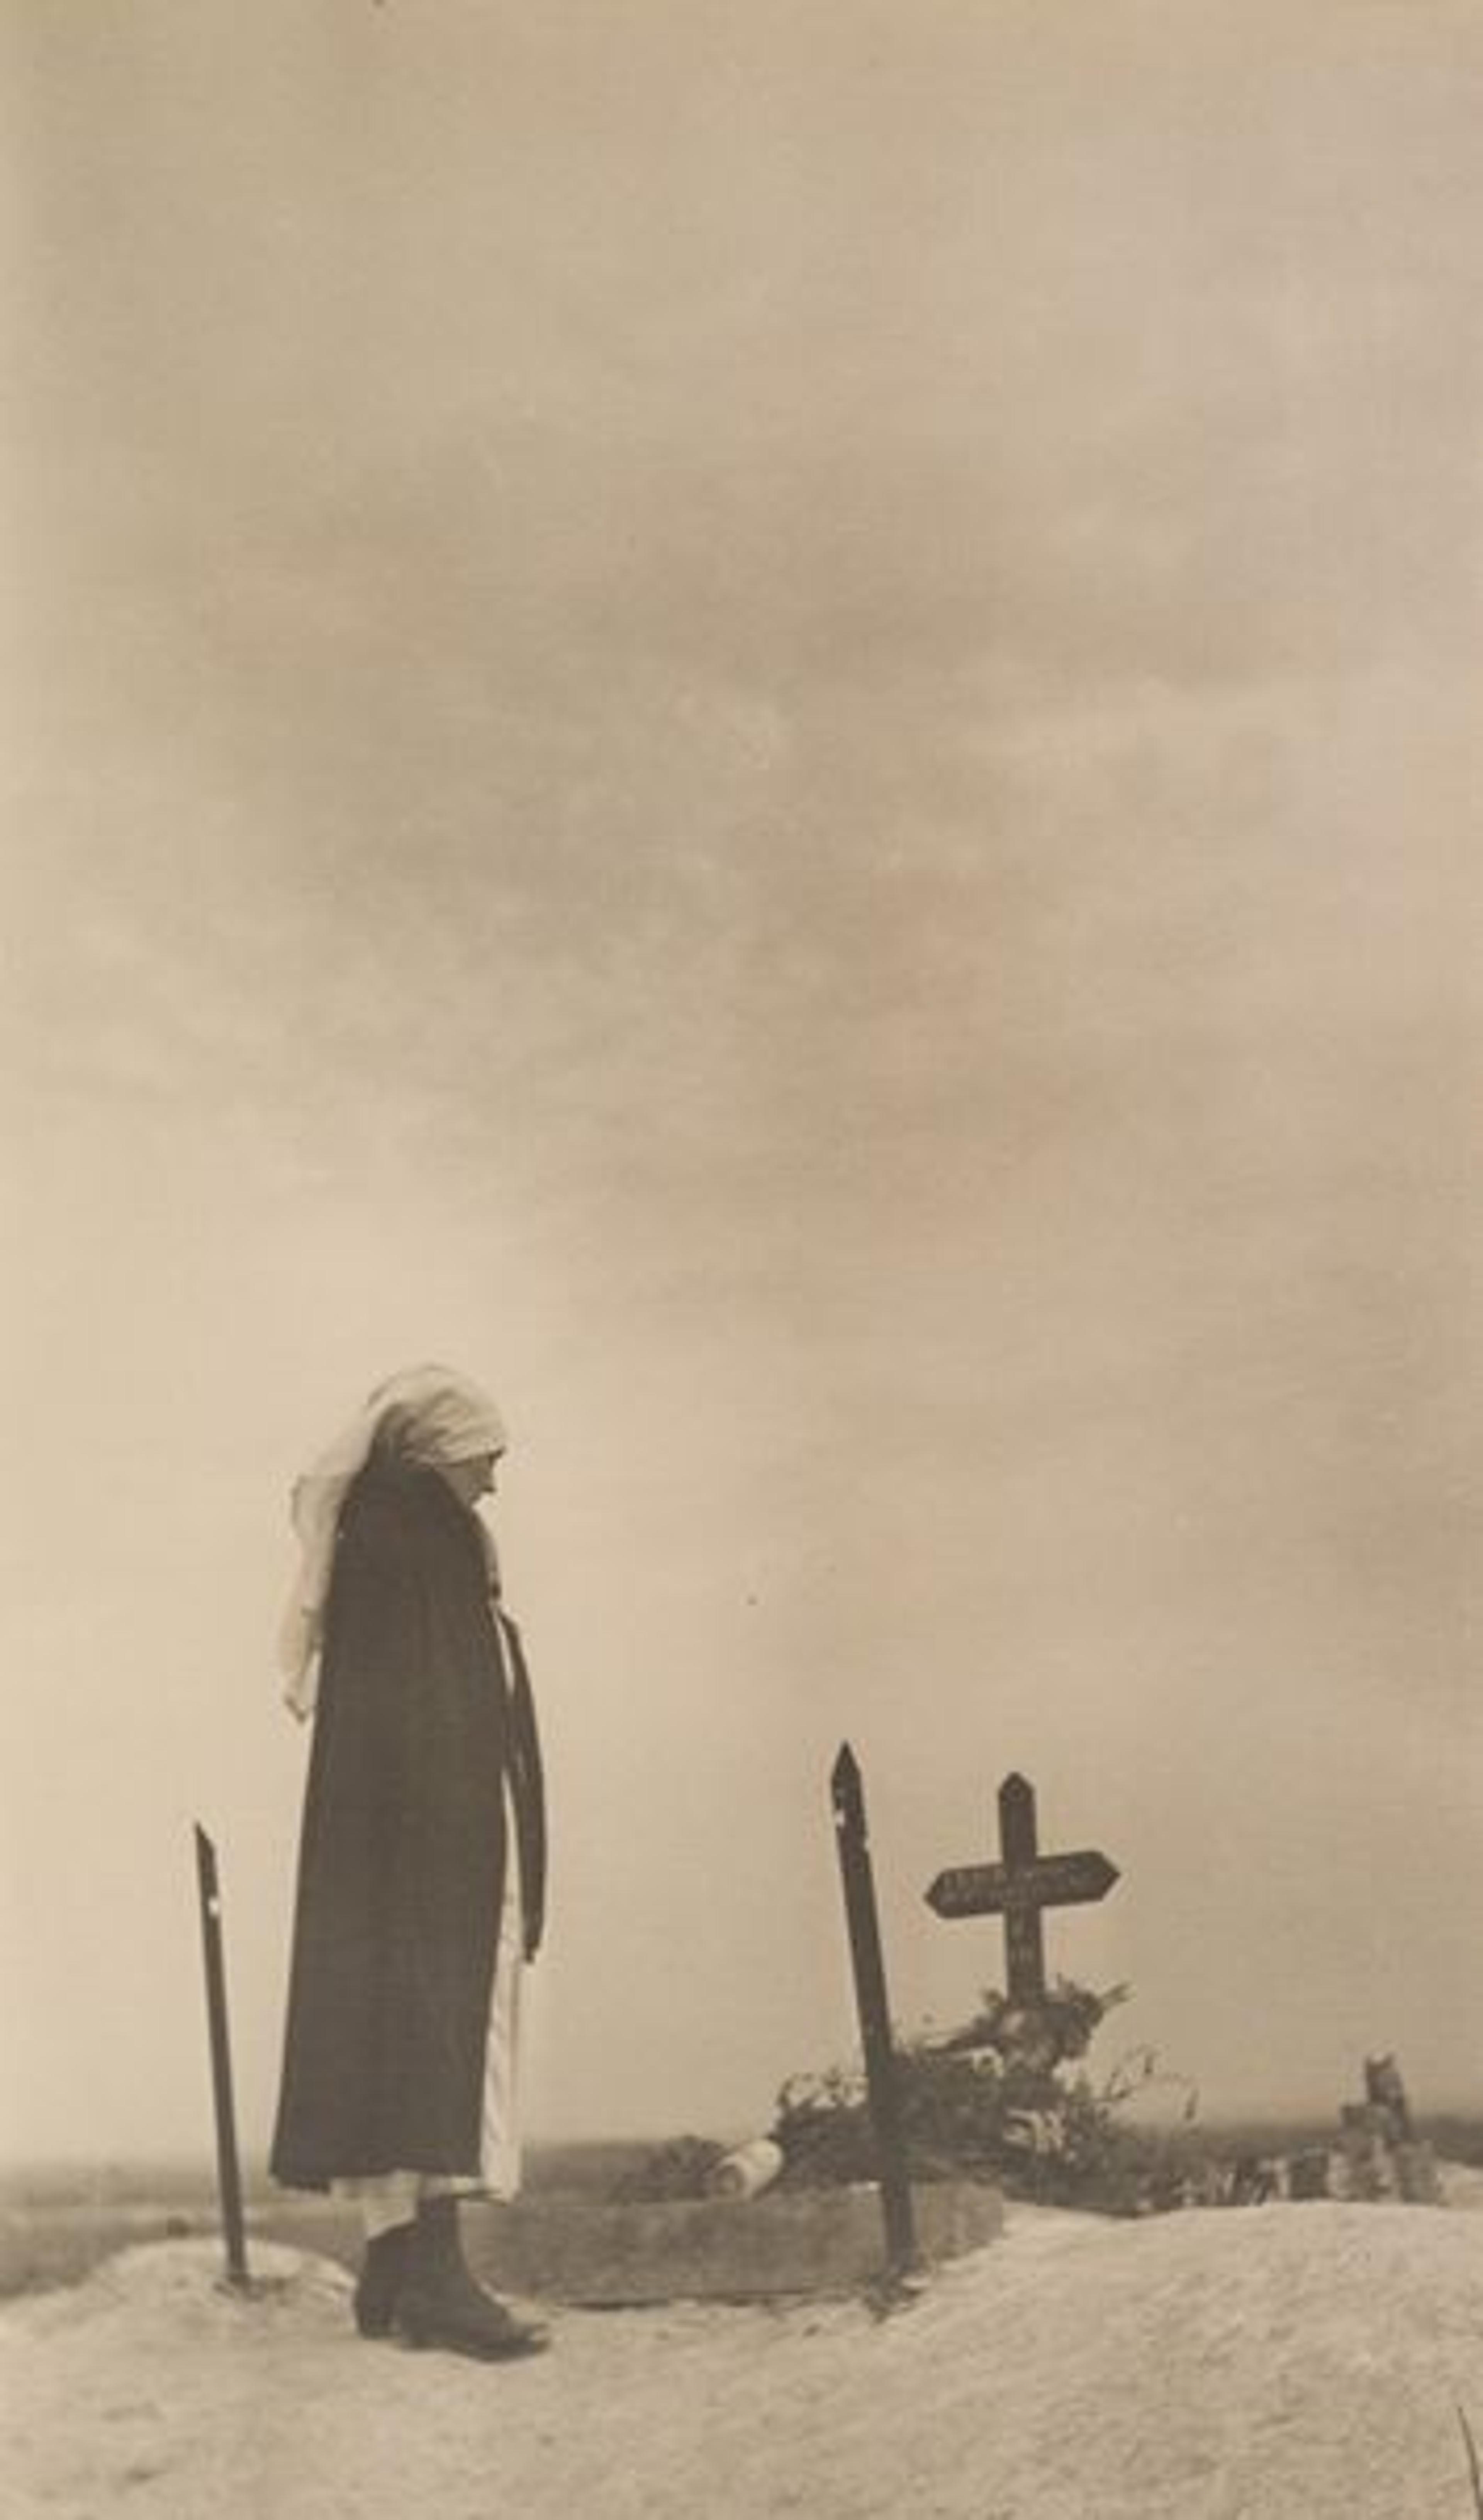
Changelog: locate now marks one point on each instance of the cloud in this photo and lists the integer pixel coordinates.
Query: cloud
(771, 724)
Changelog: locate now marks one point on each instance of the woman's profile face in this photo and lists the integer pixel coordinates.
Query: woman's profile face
(472, 1479)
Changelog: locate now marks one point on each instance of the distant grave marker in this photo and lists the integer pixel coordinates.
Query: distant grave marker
(1020, 1887)
(1383, 2155)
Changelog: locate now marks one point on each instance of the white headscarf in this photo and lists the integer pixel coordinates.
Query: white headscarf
(427, 1415)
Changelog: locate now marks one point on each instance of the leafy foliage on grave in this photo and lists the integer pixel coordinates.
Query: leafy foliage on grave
(1007, 2096)
(679, 2169)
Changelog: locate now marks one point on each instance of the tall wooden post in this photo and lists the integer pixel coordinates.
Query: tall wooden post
(228, 2176)
(848, 1798)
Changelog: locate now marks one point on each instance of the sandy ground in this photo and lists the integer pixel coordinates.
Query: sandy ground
(1307, 2362)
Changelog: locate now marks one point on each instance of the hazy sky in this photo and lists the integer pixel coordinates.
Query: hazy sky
(765, 721)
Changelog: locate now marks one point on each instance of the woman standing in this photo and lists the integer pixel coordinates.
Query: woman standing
(423, 1857)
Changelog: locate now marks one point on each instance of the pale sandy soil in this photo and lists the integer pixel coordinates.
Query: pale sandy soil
(1305, 2362)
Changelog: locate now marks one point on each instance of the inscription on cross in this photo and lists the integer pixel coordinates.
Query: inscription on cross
(1021, 1888)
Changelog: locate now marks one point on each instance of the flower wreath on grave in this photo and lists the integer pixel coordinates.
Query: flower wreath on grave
(997, 2098)
(1002, 2098)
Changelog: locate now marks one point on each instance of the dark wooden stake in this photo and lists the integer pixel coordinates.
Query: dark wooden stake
(228, 2176)
(1024, 1932)
(849, 1797)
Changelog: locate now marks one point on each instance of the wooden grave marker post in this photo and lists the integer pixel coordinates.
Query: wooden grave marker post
(1021, 1888)
(847, 1795)
(227, 2175)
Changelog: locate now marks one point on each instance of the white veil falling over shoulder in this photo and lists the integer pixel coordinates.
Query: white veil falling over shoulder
(430, 1417)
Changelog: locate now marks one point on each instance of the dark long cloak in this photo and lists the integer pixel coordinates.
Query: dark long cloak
(403, 1849)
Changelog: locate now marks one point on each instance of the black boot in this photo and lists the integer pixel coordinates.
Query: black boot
(441, 2304)
(381, 2275)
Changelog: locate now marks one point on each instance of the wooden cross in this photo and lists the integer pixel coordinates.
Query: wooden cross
(1020, 1887)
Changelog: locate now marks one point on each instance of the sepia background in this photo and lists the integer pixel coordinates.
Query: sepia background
(765, 721)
